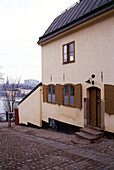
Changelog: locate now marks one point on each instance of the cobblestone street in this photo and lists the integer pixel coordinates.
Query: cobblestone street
(24, 148)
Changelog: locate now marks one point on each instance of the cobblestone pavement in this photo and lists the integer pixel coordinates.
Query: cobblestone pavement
(22, 148)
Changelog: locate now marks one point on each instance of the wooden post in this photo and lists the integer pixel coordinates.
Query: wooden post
(16, 117)
(9, 122)
(86, 111)
(7, 116)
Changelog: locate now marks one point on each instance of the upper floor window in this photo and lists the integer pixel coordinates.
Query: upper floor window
(69, 52)
(51, 93)
(69, 95)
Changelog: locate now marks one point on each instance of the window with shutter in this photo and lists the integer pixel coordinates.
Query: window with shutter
(59, 94)
(66, 95)
(44, 93)
(78, 96)
(69, 95)
(109, 98)
(51, 93)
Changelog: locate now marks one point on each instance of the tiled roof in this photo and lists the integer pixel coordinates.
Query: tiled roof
(75, 15)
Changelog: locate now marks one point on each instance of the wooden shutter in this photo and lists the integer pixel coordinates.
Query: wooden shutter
(59, 94)
(45, 93)
(109, 98)
(78, 95)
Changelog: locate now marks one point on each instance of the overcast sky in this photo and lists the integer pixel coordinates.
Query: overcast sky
(22, 22)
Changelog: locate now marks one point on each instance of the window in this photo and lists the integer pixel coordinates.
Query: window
(66, 95)
(69, 95)
(72, 95)
(69, 53)
(51, 93)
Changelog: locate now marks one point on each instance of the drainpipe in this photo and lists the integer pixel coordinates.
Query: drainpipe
(40, 106)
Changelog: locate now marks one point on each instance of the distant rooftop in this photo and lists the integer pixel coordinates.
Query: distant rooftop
(76, 14)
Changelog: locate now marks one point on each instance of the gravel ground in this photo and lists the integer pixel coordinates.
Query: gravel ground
(103, 145)
(26, 148)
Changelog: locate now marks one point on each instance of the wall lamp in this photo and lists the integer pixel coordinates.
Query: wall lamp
(91, 79)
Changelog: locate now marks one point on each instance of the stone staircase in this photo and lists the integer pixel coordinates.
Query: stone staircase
(88, 135)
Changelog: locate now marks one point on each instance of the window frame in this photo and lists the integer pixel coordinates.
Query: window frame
(51, 93)
(69, 105)
(68, 52)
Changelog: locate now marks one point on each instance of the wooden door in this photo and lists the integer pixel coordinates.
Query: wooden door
(94, 106)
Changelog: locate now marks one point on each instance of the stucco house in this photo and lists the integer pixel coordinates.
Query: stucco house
(77, 68)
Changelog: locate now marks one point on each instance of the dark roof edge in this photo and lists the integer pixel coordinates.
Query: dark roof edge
(76, 22)
(40, 84)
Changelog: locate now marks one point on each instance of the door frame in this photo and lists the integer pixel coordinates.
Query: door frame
(94, 102)
(86, 107)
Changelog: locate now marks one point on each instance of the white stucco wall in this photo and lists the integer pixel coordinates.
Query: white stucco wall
(93, 55)
(30, 109)
(109, 122)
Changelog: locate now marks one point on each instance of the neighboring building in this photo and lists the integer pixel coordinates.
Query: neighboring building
(1, 90)
(30, 108)
(78, 68)
(31, 82)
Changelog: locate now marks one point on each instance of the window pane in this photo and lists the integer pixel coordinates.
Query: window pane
(65, 58)
(72, 95)
(53, 97)
(65, 99)
(49, 89)
(72, 100)
(65, 49)
(49, 93)
(72, 90)
(72, 56)
(49, 97)
(66, 90)
(66, 94)
(71, 47)
(53, 89)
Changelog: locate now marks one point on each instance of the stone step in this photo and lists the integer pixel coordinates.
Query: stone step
(86, 136)
(91, 132)
(95, 128)
(77, 140)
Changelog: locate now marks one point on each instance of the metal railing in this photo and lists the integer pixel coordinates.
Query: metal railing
(76, 3)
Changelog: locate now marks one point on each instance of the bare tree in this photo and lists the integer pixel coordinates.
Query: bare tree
(1, 78)
(11, 92)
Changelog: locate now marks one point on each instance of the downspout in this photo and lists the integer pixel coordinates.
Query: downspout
(40, 106)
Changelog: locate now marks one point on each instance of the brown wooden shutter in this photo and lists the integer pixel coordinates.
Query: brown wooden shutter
(45, 93)
(78, 95)
(109, 98)
(59, 94)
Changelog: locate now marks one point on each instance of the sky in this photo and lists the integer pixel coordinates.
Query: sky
(22, 22)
